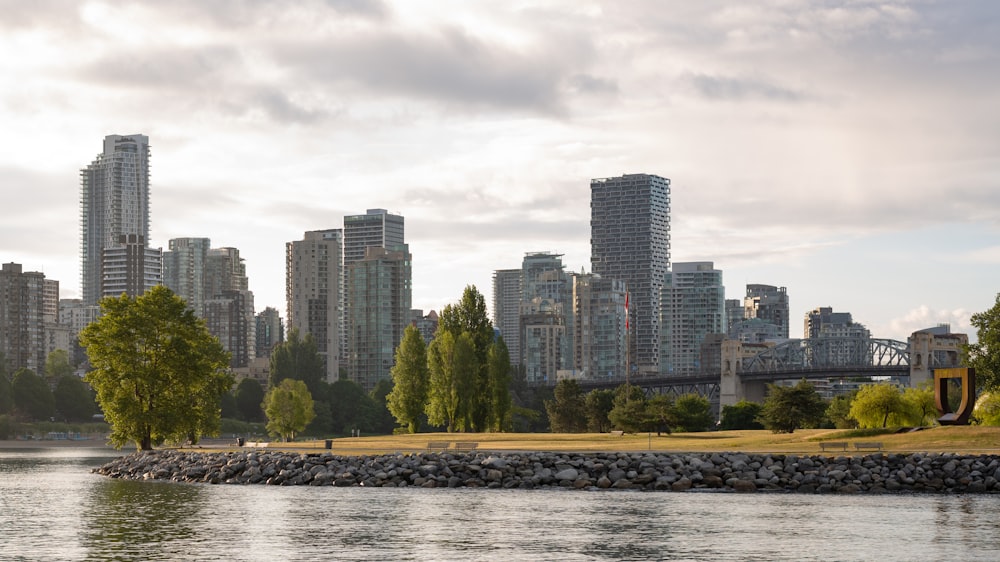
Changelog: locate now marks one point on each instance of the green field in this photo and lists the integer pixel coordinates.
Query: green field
(971, 439)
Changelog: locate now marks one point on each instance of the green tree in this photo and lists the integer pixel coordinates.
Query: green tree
(839, 411)
(289, 408)
(6, 391)
(661, 414)
(32, 397)
(298, 358)
(598, 405)
(57, 365)
(352, 408)
(249, 396)
(385, 422)
(410, 380)
(987, 411)
(469, 316)
(566, 411)
(498, 373)
(692, 413)
(876, 403)
(159, 374)
(920, 406)
(452, 364)
(742, 415)
(984, 355)
(788, 408)
(73, 399)
(629, 413)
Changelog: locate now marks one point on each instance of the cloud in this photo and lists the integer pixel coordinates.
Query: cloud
(924, 317)
(739, 89)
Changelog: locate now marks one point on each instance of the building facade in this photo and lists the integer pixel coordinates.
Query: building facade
(507, 310)
(599, 327)
(377, 228)
(314, 293)
(630, 241)
(22, 319)
(379, 290)
(184, 270)
(693, 307)
(130, 267)
(114, 202)
(769, 303)
(270, 331)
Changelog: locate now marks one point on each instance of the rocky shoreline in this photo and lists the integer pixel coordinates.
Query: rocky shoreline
(741, 472)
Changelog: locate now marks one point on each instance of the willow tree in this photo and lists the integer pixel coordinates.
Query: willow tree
(159, 374)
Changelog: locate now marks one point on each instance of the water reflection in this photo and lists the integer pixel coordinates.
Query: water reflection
(126, 519)
(52, 508)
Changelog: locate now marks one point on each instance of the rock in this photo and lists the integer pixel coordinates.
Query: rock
(744, 486)
(567, 474)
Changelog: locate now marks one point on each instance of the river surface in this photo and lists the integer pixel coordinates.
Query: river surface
(53, 508)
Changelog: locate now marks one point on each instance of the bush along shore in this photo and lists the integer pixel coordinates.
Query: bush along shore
(873, 473)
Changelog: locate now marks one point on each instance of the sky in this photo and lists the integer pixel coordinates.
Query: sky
(846, 150)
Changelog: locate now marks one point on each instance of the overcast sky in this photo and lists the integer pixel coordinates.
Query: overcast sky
(849, 151)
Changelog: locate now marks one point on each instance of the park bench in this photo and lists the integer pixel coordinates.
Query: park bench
(868, 446)
(833, 445)
(438, 445)
(465, 446)
(617, 433)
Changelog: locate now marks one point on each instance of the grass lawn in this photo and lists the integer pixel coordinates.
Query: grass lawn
(972, 439)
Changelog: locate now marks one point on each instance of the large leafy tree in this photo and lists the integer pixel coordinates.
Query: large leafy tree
(73, 399)
(876, 404)
(298, 358)
(788, 408)
(57, 365)
(629, 412)
(984, 355)
(410, 381)
(692, 412)
(567, 413)
(742, 415)
(352, 408)
(249, 396)
(32, 397)
(6, 392)
(920, 405)
(598, 405)
(159, 374)
(289, 408)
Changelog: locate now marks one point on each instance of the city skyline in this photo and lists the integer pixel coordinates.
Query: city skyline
(845, 151)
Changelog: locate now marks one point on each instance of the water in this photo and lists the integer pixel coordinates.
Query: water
(53, 508)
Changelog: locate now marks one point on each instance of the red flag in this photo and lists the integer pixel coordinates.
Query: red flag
(626, 311)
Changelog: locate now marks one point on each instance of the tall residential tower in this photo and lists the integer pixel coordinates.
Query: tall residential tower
(630, 241)
(114, 202)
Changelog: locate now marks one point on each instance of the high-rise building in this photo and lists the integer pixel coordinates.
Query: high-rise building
(377, 228)
(380, 293)
(130, 267)
(226, 319)
(599, 326)
(836, 339)
(22, 318)
(734, 313)
(630, 241)
(314, 293)
(270, 331)
(693, 304)
(545, 319)
(184, 270)
(507, 310)
(769, 303)
(114, 202)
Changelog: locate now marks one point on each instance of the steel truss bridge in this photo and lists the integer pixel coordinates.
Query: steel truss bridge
(818, 358)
